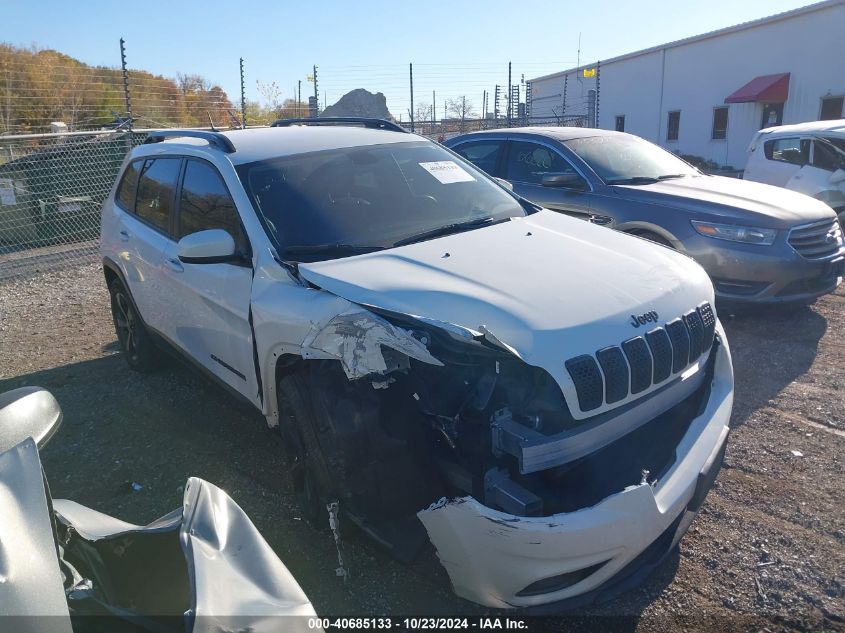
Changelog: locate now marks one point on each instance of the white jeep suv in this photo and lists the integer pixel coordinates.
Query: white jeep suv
(544, 400)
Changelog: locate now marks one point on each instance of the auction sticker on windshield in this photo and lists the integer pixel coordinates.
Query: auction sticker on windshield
(447, 171)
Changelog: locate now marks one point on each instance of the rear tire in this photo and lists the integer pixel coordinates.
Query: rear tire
(135, 341)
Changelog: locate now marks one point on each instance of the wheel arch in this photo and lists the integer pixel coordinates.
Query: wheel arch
(639, 228)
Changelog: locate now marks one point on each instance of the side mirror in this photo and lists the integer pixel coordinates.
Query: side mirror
(28, 412)
(213, 246)
(837, 176)
(569, 181)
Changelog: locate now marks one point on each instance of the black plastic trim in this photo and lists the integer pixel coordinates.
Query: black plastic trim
(367, 122)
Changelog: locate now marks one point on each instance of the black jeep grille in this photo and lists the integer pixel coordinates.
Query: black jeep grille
(661, 352)
(679, 335)
(639, 360)
(642, 361)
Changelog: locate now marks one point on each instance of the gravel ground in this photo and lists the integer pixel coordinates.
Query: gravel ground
(766, 553)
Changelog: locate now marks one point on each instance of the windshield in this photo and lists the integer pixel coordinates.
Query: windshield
(343, 202)
(627, 160)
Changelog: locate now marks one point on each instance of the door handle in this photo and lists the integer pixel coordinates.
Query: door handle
(174, 264)
(124, 235)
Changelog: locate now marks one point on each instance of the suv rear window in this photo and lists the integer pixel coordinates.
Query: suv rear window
(788, 150)
(128, 186)
(156, 187)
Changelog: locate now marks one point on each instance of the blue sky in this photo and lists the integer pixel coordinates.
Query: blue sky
(457, 47)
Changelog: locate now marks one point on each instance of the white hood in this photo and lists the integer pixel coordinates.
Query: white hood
(549, 286)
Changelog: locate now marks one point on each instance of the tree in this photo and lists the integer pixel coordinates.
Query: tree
(423, 113)
(461, 108)
(272, 96)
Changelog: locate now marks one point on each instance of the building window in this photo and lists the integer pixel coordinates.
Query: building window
(720, 123)
(831, 108)
(620, 123)
(673, 126)
(772, 115)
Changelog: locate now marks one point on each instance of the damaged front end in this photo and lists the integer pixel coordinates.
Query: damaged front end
(425, 412)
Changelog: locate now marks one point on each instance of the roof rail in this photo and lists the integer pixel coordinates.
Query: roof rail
(214, 138)
(371, 123)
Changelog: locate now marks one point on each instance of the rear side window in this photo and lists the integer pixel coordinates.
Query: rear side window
(529, 162)
(788, 150)
(156, 187)
(205, 203)
(482, 154)
(128, 185)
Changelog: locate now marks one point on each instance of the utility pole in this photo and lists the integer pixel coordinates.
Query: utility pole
(411, 71)
(126, 96)
(510, 90)
(298, 97)
(433, 110)
(316, 95)
(243, 97)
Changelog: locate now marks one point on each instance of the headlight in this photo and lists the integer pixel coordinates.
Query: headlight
(735, 233)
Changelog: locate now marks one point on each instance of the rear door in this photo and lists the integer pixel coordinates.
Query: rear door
(144, 205)
(209, 303)
(525, 165)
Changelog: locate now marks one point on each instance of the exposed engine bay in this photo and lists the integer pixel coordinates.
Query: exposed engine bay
(460, 414)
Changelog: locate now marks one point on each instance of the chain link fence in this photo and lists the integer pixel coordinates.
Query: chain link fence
(51, 190)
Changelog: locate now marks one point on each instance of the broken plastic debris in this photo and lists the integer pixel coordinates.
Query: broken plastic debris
(136, 486)
(333, 508)
(797, 453)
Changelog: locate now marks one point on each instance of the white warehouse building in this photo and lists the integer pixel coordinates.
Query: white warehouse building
(707, 95)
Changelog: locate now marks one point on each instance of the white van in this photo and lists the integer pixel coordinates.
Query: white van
(805, 157)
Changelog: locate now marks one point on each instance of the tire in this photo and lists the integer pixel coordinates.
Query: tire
(296, 425)
(135, 341)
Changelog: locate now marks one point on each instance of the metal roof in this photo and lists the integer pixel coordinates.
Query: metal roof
(704, 36)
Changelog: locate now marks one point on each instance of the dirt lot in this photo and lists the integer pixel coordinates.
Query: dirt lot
(766, 553)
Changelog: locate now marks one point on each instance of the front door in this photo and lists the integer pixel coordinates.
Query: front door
(525, 166)
(209, 303)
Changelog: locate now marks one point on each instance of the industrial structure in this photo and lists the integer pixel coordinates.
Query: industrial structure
(707, 95)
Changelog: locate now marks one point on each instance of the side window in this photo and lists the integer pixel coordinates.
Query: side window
(156, 187)
(620, 122)
(826, 157)
(529, 162)
(482, 154)
(128, 185)
(788, 150)
(831, 108)
(205, 203)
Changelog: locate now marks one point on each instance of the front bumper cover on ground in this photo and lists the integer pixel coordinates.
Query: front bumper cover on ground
(493, 557)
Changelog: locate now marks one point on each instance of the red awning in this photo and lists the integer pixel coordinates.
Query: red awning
(765, 88)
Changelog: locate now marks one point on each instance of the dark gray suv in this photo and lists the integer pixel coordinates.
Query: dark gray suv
(758, 243)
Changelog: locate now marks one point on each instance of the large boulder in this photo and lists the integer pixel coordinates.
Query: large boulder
(360, 102)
